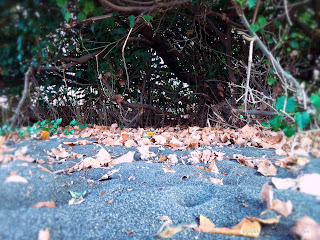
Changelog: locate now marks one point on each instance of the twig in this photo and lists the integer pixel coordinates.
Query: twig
(287, 13)
(27, 76)
(124, 60)
(249, 70)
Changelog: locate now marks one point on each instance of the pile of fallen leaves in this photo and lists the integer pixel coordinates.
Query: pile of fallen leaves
(182, 137)
(295, 151)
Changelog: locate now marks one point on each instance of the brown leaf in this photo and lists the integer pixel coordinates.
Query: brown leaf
(247, 131)
(60, 154)
(103, 156)
(295, 160)
(216, 180)
(168, 170)
(49, 204)
(267, 195)
(213, 167)
(172, 230)
(127, 158)
(265, 221)
(16, 178)
(307, 228)
(266, 168)
(284, 208)
(145, 153)
(108, 175)
(44, 234)
(246, 228)
(273, 139)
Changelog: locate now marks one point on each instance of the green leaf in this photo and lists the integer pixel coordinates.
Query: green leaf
(252, 3)
(315, 100)
(147, 17)
(73, 122)
(262, 21)
(81, 16)
(302, 119)
(77, 195)
(59, 120)
(21, 132)
(67, 16)
(280, 102)
(291, 104)
(271, 80)
(265, 124)
(131, 19)
(289, 132)
(61, 3)
(275, 122)
(294, 44)
(254, 28)
(88, 7)
(277, 24)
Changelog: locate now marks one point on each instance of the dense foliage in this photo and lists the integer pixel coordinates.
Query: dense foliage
(160, 62)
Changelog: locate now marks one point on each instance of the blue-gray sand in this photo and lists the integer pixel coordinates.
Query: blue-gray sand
(138, 202)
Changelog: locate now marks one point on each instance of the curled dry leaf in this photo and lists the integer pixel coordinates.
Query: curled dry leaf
(307, 228)
(16, 178)
(266, 168)
(108, 175)
(284, 208)
(295, 160)
(130, 143)
(172, 159)
(246, 228)
(168, 170)
(126, 158)
(172, 230)
(273, 139)
(49, 204)
(213, 167)
(216, 180)
(60, 154)
(103, 156)
(247, 132)
(267, 195)
(44, 234)
(145, 153)
(160, 139)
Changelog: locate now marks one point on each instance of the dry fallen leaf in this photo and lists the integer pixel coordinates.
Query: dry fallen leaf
(60, 154)
(108, 175)
(172, 230)
(267, 196)
(16, 178)
(213, 167)
(103, 156)
(145, 153)
(295, 160)
(172, 159)
(44, 234)
(307, 228)
(49, 204)
(266, 168)
(216, 180)
(127, 158)
(168, 170)
(246, 228)
(284, 208)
